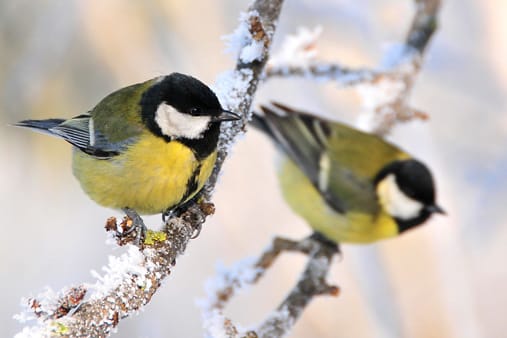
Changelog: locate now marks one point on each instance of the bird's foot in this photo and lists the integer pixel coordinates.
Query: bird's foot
(166, 215)
(177, 211)
(195, 216)
(136, 225)
(317, 236)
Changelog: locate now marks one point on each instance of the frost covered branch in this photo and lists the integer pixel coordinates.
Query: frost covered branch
(385, 101)
(322, 71)
(298, 58)
(131, 280)
(386, 90)
(251, 42)
(231, 281)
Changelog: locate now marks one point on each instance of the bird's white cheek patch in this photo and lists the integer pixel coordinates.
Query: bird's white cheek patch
(395, 202)
(172, 123)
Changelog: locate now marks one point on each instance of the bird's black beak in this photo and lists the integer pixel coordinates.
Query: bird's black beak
(435, 209)
(225, 115)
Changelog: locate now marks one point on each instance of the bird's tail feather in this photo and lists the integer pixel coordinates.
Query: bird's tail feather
(43, 126)
(259, 122)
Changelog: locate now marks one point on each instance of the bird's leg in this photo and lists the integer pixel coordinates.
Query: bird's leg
(319, 237)
(178, 210)
(137, 225)
(166, 215)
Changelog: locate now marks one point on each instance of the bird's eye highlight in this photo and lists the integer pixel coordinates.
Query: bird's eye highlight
(195, 111)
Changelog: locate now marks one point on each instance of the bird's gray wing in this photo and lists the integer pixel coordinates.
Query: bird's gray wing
(76, 131)
(304, 139)
(81, 132)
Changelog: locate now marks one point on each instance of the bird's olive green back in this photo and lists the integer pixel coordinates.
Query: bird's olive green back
(118, 115)
(355, 159)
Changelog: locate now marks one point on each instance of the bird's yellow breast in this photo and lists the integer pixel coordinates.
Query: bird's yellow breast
(352, 227)
(151, 176)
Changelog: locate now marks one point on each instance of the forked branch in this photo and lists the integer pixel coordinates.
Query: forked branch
(230, 282)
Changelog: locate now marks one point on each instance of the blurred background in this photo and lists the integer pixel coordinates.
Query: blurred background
(446, 279)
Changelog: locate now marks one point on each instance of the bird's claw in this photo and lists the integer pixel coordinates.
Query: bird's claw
(137, 226)
(197, 231)
(166, 215)
(317, 236)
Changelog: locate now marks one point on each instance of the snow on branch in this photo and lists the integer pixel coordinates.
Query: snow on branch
(236, 89)
(298, 57)
(230, 282)
(385, 91)
(130, 281)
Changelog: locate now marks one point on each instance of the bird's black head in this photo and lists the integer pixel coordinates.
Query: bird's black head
(407, 192)
(179, 106)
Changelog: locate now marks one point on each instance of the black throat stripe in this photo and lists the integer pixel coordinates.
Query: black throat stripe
(192, 184)
(204, 146)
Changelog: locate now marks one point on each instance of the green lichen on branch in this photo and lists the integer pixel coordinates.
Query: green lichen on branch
(154, 237)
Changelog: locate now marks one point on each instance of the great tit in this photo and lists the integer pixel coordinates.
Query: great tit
(350, 186)
(149, 147)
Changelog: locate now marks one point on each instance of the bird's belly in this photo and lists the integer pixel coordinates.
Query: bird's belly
(307, 202)
(151, 177)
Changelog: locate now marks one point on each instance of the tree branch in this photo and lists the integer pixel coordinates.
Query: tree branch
(386, 90)
(311, 283)
(237, 89)
(321, 71)
(391, 92)
(424, 24)
(131, 280)
(236, 279)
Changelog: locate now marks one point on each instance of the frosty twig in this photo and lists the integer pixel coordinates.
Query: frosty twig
(385, 90)
(229, 282)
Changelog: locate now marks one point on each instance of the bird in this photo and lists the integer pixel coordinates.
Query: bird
(348, 185)
(147, 148)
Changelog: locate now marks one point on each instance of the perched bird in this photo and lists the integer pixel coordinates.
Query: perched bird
(146, 148)
(350, 186)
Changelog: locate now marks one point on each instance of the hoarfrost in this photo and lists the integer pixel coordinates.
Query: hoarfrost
(298, 49)
(129, 263)
(241, 42)
(238, 276)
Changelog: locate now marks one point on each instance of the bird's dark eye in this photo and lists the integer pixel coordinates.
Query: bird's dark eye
(409, 192)
(195, 111)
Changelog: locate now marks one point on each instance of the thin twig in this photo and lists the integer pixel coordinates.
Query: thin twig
(385, 114)
(231, 281)
(391, 84)
(424, 24)
(311, 283)
(321, 71)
